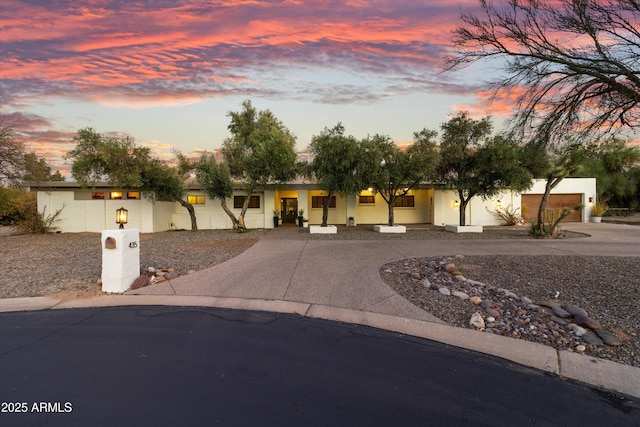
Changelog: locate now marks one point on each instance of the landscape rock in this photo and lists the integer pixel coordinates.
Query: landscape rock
(475, 300)
(450, 267)
(492, 312)
(580, 348)
(574, 309)
(608, 337)
(460, 295)
(593, 339)
(579, 330)
(549, 303)
(141, 282)
(560, 312)
(586, 321)
(415, 276)
(444, 291)
(477, 321)
(426, 283)
(525, 300)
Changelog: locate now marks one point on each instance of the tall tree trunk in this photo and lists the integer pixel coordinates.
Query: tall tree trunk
(240, 226)
(325, 209)
(234, 220)
(390, 205)
(192, 214)
(462, 208)
(549, 185)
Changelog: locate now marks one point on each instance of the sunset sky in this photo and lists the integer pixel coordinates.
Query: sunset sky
(167, 72)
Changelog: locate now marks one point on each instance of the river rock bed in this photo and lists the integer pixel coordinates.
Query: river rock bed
(584, 304)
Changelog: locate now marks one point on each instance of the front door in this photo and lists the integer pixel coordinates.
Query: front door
(289, 210)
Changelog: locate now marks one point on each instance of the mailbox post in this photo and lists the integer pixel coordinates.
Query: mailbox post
(120, 259)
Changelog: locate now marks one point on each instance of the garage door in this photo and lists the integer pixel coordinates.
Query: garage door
(530, 203)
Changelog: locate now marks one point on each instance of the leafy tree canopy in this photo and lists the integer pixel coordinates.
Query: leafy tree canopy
(474, 163)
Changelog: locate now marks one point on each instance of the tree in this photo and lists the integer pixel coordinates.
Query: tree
(119, 161)
(11, 157)
(37, 169)
(553, 163)
(575, 62)
(215, 178)
(260, 151)
(103, 158)
(612, 164)
(163, 181)
(476, 164)
(393, 172)
(335, 165)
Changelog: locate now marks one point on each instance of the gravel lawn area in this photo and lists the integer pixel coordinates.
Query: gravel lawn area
(46, 264)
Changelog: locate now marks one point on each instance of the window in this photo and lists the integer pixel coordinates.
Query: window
(405, 202)
(318, 201)
(195, 200)
(367, 200)
(254, 202)
(133, 195)
(97, 195)
(115, 195)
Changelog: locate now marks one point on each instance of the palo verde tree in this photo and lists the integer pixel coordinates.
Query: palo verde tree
(125, 165)
(335, 165)
(574, 63)
(392, 172)
(260, 151)
(476, 164)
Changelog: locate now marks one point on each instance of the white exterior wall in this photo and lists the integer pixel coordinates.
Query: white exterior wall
(378, 213)
(336, 215)
(210, 215)
(94, 215)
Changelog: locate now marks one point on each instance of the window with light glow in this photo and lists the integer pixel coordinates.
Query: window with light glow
(254, 202)
(319, 201)
(115, 195)
(195, 200)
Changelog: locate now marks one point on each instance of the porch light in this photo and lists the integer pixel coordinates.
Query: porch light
(591, 199)
(499, 204)
(456, 204)
(121, 216)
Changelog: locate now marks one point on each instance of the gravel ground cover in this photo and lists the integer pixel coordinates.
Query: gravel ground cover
(45, 264)
(607, 288)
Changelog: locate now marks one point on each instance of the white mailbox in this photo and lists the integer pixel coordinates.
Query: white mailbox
(120, 259)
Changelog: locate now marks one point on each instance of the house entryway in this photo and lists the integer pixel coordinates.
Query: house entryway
(289, 210)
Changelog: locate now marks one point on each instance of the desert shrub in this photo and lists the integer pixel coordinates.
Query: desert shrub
(35, 222)
(509, 215)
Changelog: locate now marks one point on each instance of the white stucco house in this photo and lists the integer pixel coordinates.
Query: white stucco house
(93, 209)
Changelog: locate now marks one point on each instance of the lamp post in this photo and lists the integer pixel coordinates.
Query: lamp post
(121, 216)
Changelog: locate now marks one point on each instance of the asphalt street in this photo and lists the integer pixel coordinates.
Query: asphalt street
(204, 366)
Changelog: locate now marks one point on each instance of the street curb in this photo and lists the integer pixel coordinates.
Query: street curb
(597, 372)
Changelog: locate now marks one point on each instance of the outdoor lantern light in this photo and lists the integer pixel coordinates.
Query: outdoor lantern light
(591, 199)
(121, 216)
(456, 204)
(498, 204)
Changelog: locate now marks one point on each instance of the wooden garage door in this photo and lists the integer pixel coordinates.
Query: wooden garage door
(556, 201)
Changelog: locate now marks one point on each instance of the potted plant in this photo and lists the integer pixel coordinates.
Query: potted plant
(276, 218)
(597, 211)
(301, 218)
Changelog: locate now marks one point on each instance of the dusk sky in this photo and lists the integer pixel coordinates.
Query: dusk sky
(167, 72)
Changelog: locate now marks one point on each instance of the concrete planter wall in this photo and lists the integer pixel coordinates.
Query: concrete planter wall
(390, 228)
(318, 229)
(463, 228)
